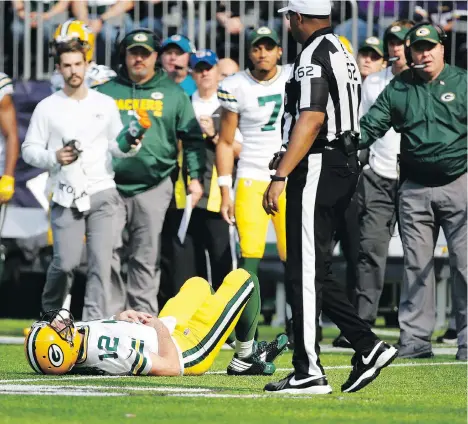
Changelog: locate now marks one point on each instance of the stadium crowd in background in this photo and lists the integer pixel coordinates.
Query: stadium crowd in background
(225, 21)
(176, 84)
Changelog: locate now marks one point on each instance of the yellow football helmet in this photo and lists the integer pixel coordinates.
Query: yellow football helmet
(346, 43)
(75, 30)
(53, 344)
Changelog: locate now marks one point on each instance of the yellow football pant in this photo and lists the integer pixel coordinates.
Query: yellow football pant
(205, 320)
(252, 220)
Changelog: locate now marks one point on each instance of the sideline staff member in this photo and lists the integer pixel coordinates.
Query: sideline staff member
(320, 125)
(433, 175)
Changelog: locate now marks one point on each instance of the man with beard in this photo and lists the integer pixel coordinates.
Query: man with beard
(73, 133)
(144, 182)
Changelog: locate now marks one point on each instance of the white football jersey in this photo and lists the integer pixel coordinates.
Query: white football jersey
(116, 347)
(260, 107)
(95, 75)
(6, 88)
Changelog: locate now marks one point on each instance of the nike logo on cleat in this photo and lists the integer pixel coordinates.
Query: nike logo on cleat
(371, 355)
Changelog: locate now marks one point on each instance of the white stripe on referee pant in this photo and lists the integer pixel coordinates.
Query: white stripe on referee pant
(308, 260)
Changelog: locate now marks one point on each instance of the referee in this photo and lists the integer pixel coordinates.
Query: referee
(320, 131)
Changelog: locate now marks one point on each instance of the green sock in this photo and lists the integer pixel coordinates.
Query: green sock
(247, 324)
(250, 265)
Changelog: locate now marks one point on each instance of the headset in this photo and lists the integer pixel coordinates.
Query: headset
(440, 31)
(388, 33)
(121, 49)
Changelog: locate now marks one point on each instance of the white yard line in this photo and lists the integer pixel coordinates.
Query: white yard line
(342, 367)
(108, 377)
(325, 348)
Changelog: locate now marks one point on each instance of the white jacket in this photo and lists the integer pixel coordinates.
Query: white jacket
(383, 153)
(95, 123)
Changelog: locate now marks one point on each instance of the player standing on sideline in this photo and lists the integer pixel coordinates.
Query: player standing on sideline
(78, 30)
(320, 129)
(252, 101)
(9, 143)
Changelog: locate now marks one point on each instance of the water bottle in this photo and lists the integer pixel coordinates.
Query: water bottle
(135, 130)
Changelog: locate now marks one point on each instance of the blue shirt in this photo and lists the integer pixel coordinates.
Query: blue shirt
(188, 84)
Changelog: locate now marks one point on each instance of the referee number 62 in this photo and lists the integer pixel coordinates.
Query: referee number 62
(351, 71)
(311, 71)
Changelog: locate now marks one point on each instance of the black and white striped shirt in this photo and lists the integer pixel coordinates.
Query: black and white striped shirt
(325, 78)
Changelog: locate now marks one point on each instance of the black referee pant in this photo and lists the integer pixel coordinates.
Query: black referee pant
(318, 193)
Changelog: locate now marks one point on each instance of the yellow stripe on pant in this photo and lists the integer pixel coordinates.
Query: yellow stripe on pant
(204, 321)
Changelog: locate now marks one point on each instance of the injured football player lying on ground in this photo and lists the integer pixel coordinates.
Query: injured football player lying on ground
(184, 339)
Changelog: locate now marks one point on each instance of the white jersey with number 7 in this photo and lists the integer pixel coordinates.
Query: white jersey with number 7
(259, 105)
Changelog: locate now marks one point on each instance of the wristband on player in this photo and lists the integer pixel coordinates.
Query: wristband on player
(277, 178)
(225, 181)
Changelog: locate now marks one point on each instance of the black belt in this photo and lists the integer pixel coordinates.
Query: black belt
(346, 142)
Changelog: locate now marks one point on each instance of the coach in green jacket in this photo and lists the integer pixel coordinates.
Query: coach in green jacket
(144, 181)
(427, 105)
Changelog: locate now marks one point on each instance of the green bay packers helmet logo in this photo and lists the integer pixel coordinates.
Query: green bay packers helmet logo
(55, 355)
(396, 28)
(422, 32)
(447, 97)
(140, 37)
(133, 128)
(263, 31)
(373, 41)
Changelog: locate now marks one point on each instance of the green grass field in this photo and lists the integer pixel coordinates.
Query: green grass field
(423, 391)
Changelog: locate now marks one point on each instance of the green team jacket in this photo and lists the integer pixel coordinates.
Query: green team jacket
(172, 118)
(432, 120)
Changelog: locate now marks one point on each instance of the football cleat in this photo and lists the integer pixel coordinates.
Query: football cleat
(268, 352)
(252, 365)
(367, 367)
(311, 385)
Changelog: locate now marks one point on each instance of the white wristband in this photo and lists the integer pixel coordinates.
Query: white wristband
(225, 181)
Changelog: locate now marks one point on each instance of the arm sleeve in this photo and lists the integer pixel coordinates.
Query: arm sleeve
(188, 130)
(34, 148)
(139, 361)
(378, 120)
(227, 98)
(314, 86)
(6, 86)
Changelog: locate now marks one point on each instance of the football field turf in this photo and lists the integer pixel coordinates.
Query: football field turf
(418, 391)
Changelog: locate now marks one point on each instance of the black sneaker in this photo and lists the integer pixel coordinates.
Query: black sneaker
(252, 365)
(307, 386)
(341, 341)
(366, 368)
(449, 337)
(268, 352)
